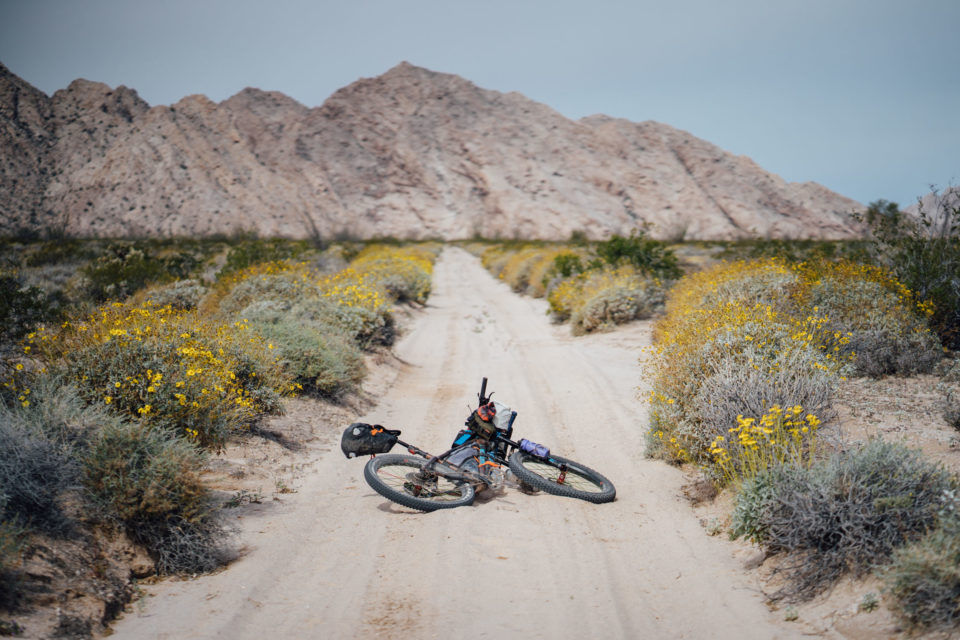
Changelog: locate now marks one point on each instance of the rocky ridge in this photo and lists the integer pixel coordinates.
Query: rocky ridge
(411, 153)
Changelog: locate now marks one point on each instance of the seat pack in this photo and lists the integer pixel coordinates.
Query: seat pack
(362, 439)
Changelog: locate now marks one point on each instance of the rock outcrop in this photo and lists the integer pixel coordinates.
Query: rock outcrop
(411, 153)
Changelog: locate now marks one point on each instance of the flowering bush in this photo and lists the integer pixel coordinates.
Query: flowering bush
(359, 304)
(605, 296)
(715, 363)
(403, 273)
(780, 436)
(744, 337)
(168, 368)
(885, 320)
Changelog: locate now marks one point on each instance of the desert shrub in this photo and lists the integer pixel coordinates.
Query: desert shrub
(645, 295)
(884, 320)
(847, 514)
(22, 307)
(743, 337)
(566, 264)
(33, 473)
(270, 282)
(247, 252)
(793, 250)
(361, 303)
(544, 270)
(617, 304)
(124, 268)
(951, 407)
(50, 407)
(518, 268)
(923, 580)
(182, 294)
(924, 253)
(778, 437)
(403, 273)
(60, 251)
(531, 269)
(168, 368)
(148, 480)
(730, 346)
(494, 258)
(650, 257)
(313, 348)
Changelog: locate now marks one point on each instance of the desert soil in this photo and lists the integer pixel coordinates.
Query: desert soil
(327, 557)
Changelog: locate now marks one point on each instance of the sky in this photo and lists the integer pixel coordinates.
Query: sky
(861, 96)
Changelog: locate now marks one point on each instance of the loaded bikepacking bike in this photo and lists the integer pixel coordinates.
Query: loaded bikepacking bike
(475, 462)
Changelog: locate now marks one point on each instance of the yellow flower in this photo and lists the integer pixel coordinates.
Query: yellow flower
(108, 399)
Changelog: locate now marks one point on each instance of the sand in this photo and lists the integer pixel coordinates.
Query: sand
(336, 560)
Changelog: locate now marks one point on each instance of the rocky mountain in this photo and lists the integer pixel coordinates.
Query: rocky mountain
(411, 153)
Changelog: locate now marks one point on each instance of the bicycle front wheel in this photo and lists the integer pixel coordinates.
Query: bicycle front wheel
(400, 478)
(562, 477)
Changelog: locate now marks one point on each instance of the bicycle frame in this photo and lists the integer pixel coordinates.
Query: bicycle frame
(498, 450)
(481, 458)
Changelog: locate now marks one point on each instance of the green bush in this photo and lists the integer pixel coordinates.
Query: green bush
(22, 307)
(149, 481)
(923, 579)
(848, 514)
(567, 264)
(651, 257)
(250, 251)
(124, 268)
(924, 253)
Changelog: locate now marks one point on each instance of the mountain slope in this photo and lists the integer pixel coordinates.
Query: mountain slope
(411, 153)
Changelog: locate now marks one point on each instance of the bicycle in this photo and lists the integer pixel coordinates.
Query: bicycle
(426, 482)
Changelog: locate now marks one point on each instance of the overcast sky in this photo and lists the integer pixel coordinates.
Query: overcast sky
(862, 96)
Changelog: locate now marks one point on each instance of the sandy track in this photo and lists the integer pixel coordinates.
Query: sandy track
(336, 560)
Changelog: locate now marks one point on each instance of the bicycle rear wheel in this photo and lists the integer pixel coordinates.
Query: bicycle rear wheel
(562, 477)
(399, 477)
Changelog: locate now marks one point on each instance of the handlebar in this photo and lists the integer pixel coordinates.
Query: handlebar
(482, 397)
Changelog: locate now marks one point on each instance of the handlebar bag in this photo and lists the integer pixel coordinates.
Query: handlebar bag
(362, 439)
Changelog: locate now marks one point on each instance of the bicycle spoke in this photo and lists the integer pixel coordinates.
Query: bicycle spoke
(396, 477)
(571, 478)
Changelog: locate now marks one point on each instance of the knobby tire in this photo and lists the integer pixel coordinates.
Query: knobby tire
(580, 482)
(389, 475)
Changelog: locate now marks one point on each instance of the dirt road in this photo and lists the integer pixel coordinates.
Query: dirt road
(336, 560)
